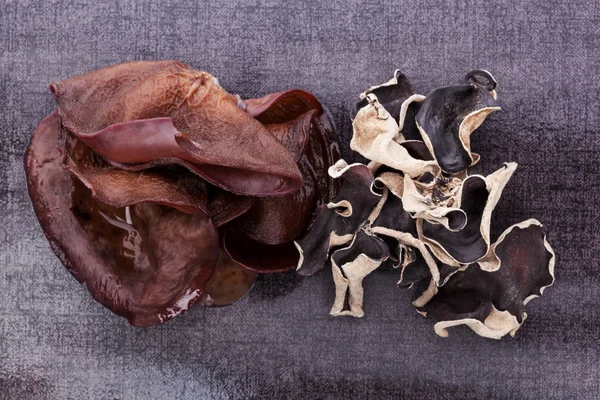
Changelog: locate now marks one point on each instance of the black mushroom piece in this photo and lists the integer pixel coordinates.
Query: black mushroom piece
(393, 216)
(483, 78)
(493, 302)
(477, 198)
(450, 114)
(336, 223)
(427, 214)
(391, 95)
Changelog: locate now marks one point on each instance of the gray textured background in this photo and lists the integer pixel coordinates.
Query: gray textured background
(57, 343)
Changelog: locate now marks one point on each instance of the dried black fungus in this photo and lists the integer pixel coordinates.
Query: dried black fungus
(431, 215)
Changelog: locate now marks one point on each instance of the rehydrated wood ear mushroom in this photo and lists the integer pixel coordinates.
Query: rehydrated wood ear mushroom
(155, 186)
(433, 215)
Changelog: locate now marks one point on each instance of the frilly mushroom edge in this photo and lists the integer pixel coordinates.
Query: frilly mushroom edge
(418, 199)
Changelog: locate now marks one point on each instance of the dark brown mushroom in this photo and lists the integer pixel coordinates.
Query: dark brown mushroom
(272, 224)
(170, 185)
(224, 206)
(160, 156)
(229, 283)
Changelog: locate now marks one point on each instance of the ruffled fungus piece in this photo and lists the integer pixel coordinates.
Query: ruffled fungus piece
(350, 266)
(418, 150)
(147, 262)
(447, 118)
(392, 214)
(277, 221)
(374, 136)
(427, 200)
(146, 113)
(336, 223)
(394, 95)
(228, 283)
(493, 303)
(477, 197)
(281, 107)
(224, 206)
(268, 221)
(414, 272)
(408, 240)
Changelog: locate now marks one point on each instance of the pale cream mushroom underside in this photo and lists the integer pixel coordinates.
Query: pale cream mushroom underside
(348, 278)
(374, 136)
(421, 206)
(496, 325)
(416, 203)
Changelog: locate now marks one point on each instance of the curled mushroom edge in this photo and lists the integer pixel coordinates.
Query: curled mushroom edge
(431, 213)
(151, 182)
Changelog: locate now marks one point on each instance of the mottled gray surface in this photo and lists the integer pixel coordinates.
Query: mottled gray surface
(279, 342)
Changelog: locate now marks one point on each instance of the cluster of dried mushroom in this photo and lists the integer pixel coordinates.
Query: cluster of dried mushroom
(158, 189)
(416, 204)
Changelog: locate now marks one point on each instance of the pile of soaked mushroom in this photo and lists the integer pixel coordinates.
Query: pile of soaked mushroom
(158, 189)
(416, 204)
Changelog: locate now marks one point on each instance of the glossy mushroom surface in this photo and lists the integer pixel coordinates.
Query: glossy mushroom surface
(155, 186)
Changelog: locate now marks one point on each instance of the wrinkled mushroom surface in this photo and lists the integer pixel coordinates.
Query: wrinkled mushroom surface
(146, 262)
(156, 187)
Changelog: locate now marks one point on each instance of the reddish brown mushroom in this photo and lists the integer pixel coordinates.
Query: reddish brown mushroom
(143, 162)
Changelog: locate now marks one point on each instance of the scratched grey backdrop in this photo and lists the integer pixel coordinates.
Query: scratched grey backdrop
(279, 342)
